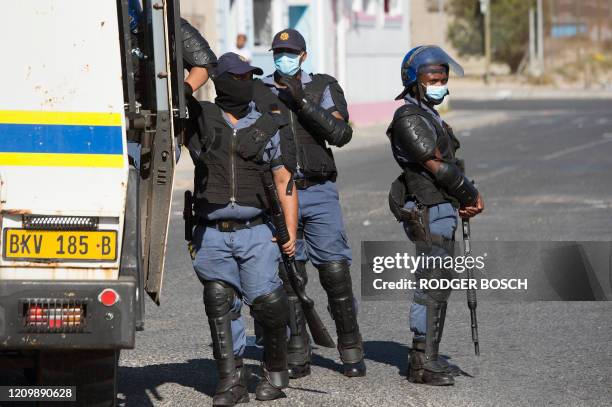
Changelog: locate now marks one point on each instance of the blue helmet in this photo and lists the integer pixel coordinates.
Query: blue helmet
(135, 14)
(424, 55)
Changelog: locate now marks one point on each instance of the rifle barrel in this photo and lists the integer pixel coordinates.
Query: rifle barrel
(472, 302)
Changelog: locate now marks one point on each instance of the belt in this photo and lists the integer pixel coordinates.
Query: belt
(303, 183)
(232, 225)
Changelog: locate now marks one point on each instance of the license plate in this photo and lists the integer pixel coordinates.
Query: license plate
(26, 244)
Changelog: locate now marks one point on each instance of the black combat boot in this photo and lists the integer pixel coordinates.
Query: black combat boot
(336, 281)
(271, 312)
(299, 350)
(426, 366)
(436, 373)
(232, 386)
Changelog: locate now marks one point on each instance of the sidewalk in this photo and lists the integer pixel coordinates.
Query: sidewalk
(503, 88)
(506, 88)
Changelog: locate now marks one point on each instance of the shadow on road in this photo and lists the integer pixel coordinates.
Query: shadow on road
(390, 353)
(396, 354)
(139, 385)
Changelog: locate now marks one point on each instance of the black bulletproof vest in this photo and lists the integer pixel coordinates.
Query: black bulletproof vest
(266, 101)
(314, 159)
(221, 175)
(420, 183)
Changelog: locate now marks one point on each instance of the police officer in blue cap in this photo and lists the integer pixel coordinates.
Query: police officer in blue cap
(318, 117)
(427, 197)
(236, 258)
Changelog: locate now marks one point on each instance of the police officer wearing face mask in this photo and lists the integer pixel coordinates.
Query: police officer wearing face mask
(318, 117)
(427, 197)
(236, 259)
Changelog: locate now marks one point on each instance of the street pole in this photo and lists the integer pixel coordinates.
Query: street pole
(578, 40)
(540, 37)
(532, 41)
(487, 30)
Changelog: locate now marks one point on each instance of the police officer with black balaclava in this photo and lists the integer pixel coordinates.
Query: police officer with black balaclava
(427, 197)
(316, 109)
(232, 143)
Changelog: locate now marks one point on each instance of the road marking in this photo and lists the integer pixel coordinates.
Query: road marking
(495, 173)
(570, 150)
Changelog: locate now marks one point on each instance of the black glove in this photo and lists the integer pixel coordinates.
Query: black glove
(294, 88)
(188, 89)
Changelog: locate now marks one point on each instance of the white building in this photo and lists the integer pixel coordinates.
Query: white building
(360, 42)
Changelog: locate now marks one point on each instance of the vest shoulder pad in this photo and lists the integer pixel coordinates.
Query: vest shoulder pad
(265, 100)
(411, 133)
(209, 107)
(323, 77)
(336, 91)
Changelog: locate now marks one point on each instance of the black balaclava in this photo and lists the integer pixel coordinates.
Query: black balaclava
(233, 96)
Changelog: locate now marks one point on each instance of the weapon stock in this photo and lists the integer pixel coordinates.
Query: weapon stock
(471, 293)
(319, 333)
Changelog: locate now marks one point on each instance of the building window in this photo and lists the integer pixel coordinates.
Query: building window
(435, 6)
(392, 7)
(262, 18)
(365, 7)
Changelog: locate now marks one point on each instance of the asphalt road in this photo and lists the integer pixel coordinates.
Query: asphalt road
(544, 168)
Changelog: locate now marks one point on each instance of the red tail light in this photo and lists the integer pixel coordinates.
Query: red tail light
(54, 317)
(108, 297)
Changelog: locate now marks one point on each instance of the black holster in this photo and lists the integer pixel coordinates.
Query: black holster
(417, 219)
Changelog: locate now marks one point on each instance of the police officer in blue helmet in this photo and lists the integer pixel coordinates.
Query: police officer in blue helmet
(427, 197)
(318, 117)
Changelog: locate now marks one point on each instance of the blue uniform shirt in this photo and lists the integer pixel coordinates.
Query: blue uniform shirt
(271, 152)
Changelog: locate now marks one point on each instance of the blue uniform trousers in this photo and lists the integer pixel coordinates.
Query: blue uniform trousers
(247, 259)
(320, 218)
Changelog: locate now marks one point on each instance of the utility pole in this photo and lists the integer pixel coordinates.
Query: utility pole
(442, 21)
(532, 42)
(578, 39)
(540, 37)
(485, 9)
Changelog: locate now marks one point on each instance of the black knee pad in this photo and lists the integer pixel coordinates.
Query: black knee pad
(436, 295)
(218, 298)
(272, 310)
(335, 278)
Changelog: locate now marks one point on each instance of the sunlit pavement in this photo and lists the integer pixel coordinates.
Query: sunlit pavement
(544, 169)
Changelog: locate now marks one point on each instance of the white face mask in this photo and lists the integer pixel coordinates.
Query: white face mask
(436, 93)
